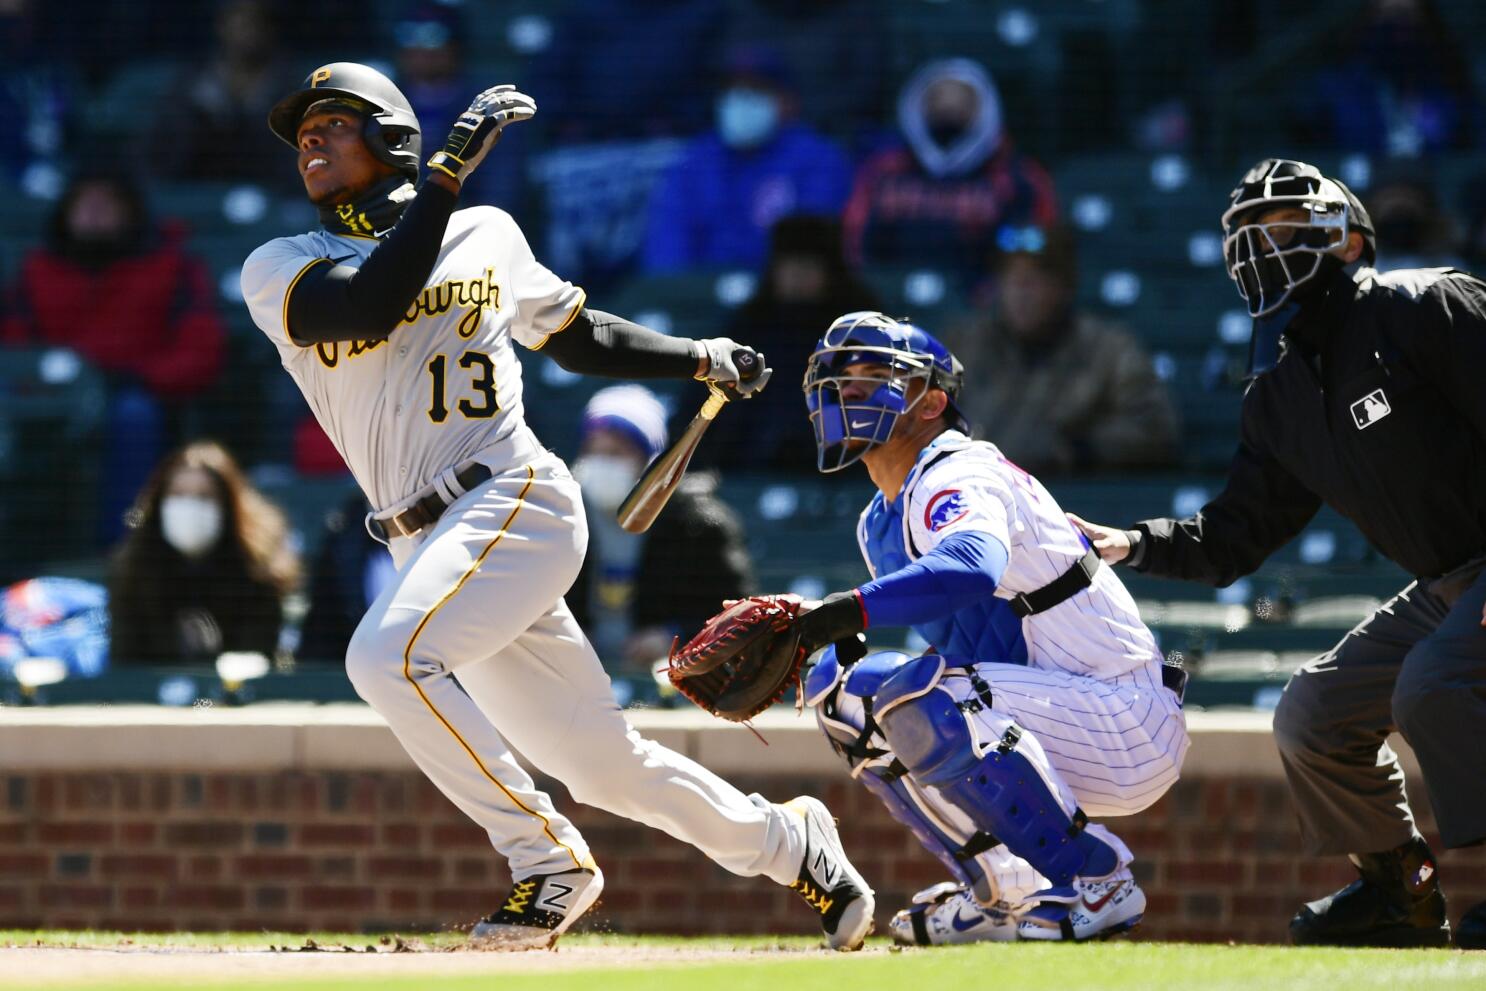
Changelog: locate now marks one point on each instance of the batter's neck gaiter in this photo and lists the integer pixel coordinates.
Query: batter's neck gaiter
(374, 212)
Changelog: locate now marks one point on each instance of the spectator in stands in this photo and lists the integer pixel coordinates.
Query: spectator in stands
(835, 50)
(430, 39)
(350, 571)
(939, 200)
(805, 285)
(121, 290)
(1399, 87)
(204, 568)
(1060, 390)
(628, 69)
(1413, 232)
(621, 84)
(637, 591)
(758, 163)
(212, 125)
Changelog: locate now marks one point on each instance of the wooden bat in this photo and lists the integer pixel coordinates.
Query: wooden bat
(653, 490)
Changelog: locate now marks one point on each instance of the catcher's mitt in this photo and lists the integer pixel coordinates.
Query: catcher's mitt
(743, 659)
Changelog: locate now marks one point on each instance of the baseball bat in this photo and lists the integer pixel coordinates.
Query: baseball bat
(653, 490)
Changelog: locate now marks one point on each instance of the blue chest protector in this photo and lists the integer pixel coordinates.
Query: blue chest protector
(986, 631)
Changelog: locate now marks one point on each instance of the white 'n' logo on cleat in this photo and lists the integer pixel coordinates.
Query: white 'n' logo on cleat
(824, 869)
(556, 901)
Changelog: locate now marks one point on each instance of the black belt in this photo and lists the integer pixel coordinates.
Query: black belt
(1061, 588)
(1174, 677)
(406, 522)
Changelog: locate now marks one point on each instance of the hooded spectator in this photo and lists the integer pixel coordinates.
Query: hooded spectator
(939, 199)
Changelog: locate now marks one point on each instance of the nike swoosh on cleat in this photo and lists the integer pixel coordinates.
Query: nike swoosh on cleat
(961, 924)
(1095, 906)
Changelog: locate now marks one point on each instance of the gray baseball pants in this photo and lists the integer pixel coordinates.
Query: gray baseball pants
(1416, 666)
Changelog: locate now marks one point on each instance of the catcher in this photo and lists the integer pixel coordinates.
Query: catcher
(1043, 699)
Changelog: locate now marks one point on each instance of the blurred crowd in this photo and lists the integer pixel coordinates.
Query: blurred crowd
(816, 146)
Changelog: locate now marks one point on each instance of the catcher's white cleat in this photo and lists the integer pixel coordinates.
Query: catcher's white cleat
(538, 910)
(828, 882)
(1089, 909)
(948, 913)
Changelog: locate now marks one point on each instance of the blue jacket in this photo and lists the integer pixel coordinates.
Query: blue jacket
(716, 205)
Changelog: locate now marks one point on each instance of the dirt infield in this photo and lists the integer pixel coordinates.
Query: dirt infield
(71, 966)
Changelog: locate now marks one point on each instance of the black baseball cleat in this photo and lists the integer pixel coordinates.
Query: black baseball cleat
(1471, 933)
(828, 882)
(539, 909)
(1396, 902)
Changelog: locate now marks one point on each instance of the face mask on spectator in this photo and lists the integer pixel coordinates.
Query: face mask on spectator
(190, 524)
(606, 480)
(746, 118)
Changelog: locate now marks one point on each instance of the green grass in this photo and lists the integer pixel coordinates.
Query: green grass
(789, 964)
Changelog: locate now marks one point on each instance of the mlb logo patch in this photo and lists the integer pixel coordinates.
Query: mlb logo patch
(943, 509)
(1370, 409)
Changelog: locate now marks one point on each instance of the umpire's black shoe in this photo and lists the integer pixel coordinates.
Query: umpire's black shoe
(1471, 933)
(1396, 902)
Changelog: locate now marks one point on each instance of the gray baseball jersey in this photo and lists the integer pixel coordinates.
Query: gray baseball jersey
(446, 383)
(478, 595)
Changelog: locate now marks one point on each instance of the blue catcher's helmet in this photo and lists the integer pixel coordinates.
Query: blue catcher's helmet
(844, 432)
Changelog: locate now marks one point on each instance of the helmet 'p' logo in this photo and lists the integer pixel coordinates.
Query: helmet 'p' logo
(320, 75)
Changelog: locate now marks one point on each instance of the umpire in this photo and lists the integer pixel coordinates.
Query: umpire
(1366, 394)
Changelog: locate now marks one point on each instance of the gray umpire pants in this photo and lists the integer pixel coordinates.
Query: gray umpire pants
(1417, 666)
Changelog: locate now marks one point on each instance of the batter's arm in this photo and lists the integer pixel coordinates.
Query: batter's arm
(599, 343)
(333, 302)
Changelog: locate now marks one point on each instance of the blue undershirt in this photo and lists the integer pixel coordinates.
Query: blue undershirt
(963, 569)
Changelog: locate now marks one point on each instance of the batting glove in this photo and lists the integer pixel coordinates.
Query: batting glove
(717, 363)
(479, 128)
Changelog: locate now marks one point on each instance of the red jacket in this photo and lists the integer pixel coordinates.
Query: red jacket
(151, 316)
(900, 215)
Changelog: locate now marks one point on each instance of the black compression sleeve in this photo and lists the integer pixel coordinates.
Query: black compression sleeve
(339, 303)
(599, 343)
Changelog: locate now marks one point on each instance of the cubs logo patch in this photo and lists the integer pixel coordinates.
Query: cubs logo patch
(1370, 409)
(943, 509)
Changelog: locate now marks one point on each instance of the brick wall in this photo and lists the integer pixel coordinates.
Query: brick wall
(381, 849)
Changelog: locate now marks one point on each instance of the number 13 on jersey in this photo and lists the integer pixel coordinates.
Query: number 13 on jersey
(484, 405)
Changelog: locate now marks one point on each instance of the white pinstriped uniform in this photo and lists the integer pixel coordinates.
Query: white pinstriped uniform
(1089, 686)
(472, 651)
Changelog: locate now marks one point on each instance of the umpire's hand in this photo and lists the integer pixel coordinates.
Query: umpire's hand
(479, 128)
(1112, 545)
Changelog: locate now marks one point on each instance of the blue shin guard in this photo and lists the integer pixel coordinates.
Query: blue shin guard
(1002, 790)
(842, 699)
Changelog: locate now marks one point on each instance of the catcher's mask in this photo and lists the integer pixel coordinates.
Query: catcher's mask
(390, 128)
(1270, 261)
(846, 431)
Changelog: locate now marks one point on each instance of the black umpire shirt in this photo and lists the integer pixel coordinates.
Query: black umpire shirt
(1377, 407)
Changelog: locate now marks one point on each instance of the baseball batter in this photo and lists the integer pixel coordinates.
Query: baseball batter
(398, 321)
(1043, 699)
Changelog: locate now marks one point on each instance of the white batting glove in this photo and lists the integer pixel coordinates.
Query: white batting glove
(719, 363)
(479, 128)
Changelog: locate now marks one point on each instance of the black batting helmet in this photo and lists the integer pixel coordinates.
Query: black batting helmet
(391, 128)
(1269, 261)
